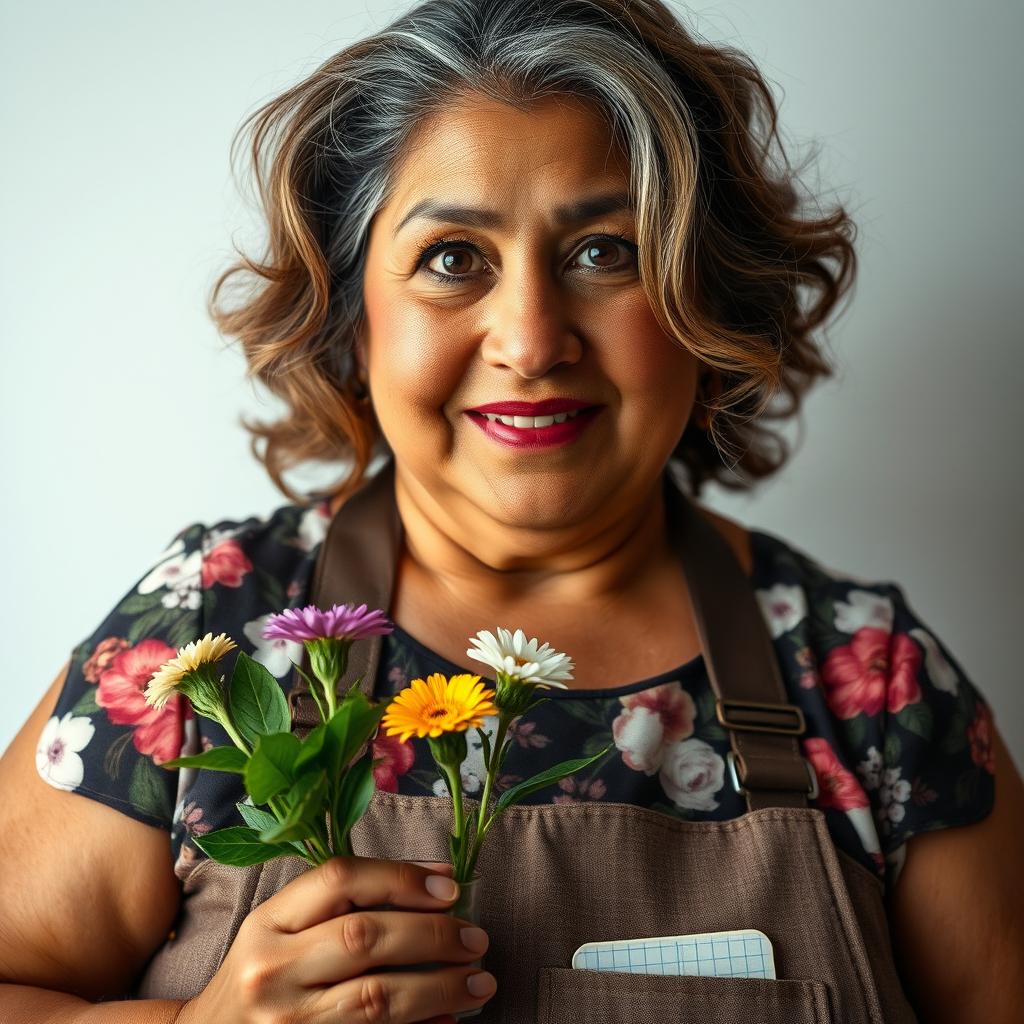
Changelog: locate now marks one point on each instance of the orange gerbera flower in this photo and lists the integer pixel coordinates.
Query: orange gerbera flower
(438, 705)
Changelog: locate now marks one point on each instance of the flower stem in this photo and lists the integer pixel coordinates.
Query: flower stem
(455, 786)
(499, 738)
(229, 728)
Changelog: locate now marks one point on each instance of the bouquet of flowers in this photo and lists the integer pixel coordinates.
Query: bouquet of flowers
(316, 789)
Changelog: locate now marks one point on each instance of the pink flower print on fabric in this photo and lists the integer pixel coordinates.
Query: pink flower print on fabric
(576, 792)
(157, 733)
(840, 789)
(340, 621)
(875, 670)
(103, 654)
(691, 774)
(396, 758)
(523, 733)
(227, 564)
(649, 721)
(979, 733)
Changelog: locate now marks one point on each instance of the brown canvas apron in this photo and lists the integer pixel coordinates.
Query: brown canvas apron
(558, 875)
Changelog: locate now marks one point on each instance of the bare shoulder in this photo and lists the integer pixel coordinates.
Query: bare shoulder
(957, 911)
(88, 894)
(737, 536)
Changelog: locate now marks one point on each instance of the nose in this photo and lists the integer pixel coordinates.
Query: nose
(530, 330)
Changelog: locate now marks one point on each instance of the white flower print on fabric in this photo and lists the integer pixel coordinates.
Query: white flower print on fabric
(893, 793)
(639, 733)
(783, 607)
(187, 776)
(180, 574)
(943, 676)
(870, 769)
(863, 608)
(691, 773)
(215, 536)
(277, 656)
(473, 768)
(312, 528)
(57, 754)
(864, 825)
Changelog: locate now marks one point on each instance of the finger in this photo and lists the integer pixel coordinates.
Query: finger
(401, 996)
(440, 866)
(355, 943)
(343, 884)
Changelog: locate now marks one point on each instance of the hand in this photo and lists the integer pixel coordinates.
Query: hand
(306, 955)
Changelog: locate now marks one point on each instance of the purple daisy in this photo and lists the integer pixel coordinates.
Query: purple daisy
(340, 622)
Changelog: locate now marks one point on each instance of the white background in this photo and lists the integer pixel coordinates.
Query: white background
(120, 404)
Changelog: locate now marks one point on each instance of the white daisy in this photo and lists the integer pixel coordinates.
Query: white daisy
(523, 660)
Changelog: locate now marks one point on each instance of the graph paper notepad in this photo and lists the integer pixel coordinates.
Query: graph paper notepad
(744, 953)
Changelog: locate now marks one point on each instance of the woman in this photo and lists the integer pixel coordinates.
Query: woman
(517, 204)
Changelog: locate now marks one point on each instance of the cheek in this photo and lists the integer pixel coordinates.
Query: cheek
(655, 376)
(414, 365)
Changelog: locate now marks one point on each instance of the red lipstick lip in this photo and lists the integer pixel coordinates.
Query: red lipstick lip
(548, 407)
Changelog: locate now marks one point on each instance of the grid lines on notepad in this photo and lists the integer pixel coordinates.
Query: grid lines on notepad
(725, 958)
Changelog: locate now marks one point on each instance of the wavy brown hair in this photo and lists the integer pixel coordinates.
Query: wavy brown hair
(734, 266)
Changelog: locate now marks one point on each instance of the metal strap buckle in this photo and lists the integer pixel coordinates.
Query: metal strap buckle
(796, 725)
(730, 761)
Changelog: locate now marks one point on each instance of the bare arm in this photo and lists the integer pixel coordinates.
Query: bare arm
(88, 895)
(957, 913)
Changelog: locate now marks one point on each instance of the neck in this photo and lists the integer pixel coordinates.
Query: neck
(476, 561)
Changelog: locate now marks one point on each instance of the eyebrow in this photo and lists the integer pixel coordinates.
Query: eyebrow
(472, 216)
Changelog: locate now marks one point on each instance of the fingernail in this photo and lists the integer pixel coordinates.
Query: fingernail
(482, 984)
(474, 939)
(441, 887)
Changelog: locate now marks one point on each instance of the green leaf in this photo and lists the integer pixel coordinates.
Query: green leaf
(136, 604)
(305, 807)
(350, 727)
(259, 819)
(596, 743)
(216, 759)
(856, 730)
(917, 718)
(256, 701)
(312, 753)
(956, 740)
(545, 778)
(146, 791)
(239, 846)
(86, 704)
(353, 797)
(271, 769)
(892, 749)
(485, 743)
(146, 624)
(183, 631)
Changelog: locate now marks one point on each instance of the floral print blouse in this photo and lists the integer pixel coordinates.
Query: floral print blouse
(898, 735)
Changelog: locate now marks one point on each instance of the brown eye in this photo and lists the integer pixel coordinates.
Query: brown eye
(457, 263)
(603, 253)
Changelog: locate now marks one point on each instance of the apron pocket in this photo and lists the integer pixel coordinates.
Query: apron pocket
(568, 995)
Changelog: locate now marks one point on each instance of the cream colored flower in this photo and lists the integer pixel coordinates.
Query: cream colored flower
(167, 679)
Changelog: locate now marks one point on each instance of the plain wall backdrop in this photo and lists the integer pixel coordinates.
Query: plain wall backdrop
(120, 403)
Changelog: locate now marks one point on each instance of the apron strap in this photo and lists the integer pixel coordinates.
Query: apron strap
(356, 565)
(358, 560)
(765, 764)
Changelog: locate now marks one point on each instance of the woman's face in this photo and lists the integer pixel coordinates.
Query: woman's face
(522, 304)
